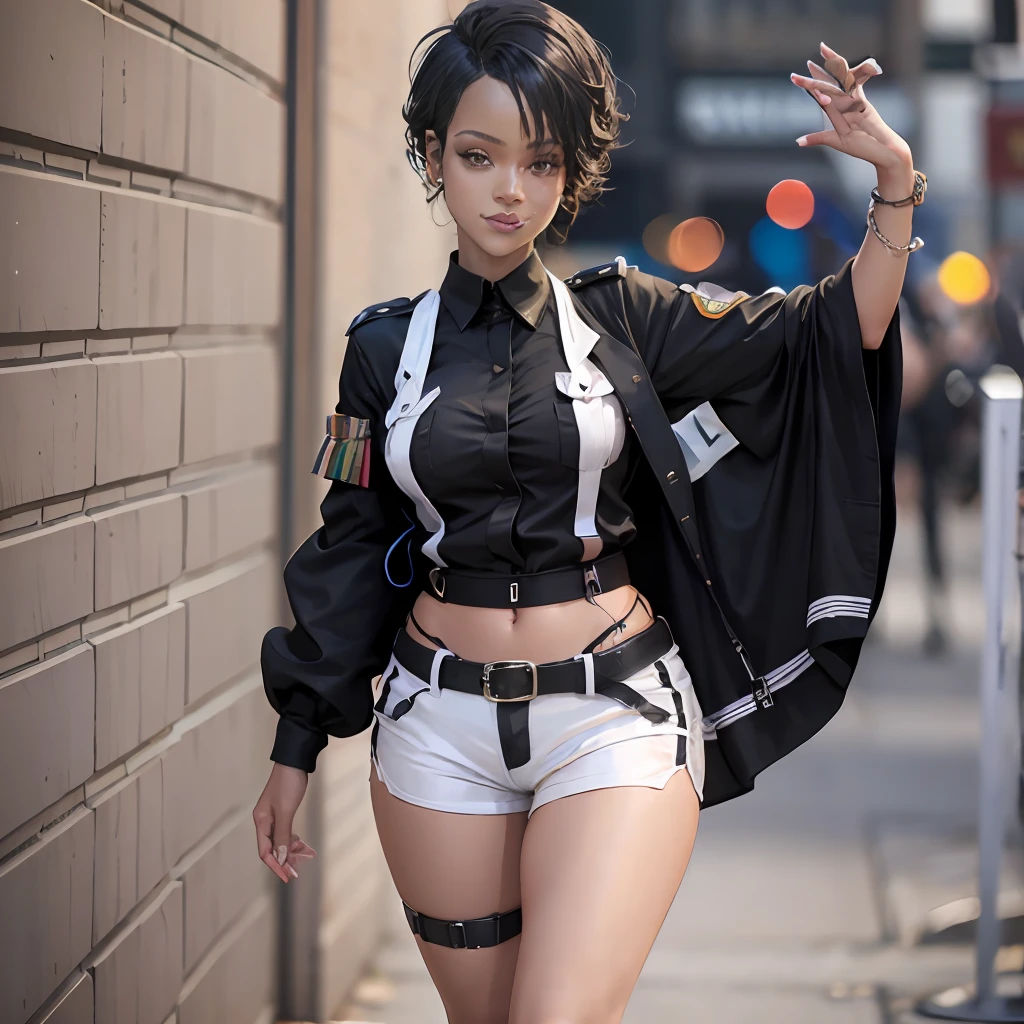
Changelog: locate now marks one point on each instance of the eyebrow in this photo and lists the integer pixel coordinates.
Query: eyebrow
(498, 142)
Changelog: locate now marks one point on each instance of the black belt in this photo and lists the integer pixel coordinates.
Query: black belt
(502, 681)
(528, 590)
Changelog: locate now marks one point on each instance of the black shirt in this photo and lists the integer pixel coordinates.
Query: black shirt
(774, 483)
(497, 453)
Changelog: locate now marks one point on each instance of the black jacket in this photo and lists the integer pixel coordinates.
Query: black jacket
(768, 566)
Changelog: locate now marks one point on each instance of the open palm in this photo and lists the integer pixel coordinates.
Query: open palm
(857, 129)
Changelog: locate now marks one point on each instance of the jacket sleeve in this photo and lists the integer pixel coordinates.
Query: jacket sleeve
(317, 674)
(748, 355)
(788, 428)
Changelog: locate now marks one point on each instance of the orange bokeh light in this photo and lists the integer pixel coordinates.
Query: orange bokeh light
(790, 204)
(695, 244)
(656, 235)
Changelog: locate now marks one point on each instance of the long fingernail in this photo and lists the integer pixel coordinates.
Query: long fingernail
(802, 141)
(291, 871)
(282, 854)
(874, 63)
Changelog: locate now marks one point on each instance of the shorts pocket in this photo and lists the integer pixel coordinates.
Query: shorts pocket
(397, 692)
(655, 691)
(644, 693)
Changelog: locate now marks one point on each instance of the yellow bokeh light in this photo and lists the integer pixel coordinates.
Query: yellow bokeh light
(964, 278)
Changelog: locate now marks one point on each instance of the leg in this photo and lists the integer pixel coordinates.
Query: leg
(455, 867)
(599, 872)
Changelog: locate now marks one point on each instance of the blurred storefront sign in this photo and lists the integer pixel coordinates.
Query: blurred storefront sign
(1006, 144)
(756, 111)
(781, 34)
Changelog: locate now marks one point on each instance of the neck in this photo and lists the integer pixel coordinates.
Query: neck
(483, 264)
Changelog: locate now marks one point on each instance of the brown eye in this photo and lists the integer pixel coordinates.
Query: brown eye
(544, 165)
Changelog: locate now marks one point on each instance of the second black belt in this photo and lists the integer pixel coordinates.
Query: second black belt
(505, 681)
(529, 590)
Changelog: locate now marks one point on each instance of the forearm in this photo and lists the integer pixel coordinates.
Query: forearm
(877, 270)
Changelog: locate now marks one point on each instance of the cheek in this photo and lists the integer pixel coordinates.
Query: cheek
(547, 191)
(463, 186)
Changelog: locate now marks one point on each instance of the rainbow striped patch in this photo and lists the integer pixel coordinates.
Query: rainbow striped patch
(345, 453)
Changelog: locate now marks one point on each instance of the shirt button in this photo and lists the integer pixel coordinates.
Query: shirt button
(498, 369)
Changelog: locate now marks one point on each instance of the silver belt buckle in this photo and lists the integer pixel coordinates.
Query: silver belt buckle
(491, 665)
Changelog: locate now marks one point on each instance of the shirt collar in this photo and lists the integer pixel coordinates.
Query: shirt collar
(526, 290)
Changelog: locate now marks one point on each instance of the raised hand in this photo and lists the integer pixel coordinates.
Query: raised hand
(857, 129)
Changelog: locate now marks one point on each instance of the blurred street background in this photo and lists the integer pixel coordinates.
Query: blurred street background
(196, 197)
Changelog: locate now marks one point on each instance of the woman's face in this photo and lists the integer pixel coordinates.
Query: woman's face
(501, 186)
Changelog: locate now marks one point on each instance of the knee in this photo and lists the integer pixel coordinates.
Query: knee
(544, 1013)
(569, 1018)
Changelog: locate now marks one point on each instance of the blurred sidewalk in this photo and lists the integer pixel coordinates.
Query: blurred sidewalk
(798, 894)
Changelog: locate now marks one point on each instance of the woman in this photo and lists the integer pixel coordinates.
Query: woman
(512, 546)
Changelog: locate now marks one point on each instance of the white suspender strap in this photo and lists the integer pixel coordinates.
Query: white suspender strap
(405, 411)
(599, 417)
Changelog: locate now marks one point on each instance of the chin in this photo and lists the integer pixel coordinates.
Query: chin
(503, 245)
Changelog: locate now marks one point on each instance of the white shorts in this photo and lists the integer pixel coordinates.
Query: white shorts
(460, 752)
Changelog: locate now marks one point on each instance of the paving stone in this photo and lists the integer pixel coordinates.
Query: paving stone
(733, 1006)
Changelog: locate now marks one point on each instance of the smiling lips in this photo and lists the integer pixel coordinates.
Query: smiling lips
(504, 222)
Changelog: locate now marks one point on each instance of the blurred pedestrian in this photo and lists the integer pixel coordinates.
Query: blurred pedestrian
(922, 455)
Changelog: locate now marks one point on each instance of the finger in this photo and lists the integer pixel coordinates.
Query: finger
(282, 835)
(263, 824)
(837, 67)
(825, 138)
(836, 105)
(271, 861)
(865, 70)
(264, 843)
(813, 85)
(301, 849)
(819, 74)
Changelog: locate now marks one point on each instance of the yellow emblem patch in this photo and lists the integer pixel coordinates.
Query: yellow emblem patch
(715, 308)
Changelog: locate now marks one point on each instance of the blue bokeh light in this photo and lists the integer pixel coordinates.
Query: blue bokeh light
(783, 254)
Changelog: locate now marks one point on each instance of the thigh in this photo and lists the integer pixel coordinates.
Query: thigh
(454, 867)
(599, 872)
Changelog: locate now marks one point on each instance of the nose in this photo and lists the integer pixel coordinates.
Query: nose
(508, 189)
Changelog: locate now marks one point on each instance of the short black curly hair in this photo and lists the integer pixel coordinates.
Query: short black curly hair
(546, 59)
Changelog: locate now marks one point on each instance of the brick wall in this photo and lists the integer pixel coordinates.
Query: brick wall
(378, 241)
(141, 191)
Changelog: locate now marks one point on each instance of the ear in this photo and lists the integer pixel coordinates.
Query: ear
(433, 153)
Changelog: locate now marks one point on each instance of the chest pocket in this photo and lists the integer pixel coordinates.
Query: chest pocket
(600, 430)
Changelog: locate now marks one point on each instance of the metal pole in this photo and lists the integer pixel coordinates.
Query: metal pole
(1001, 424)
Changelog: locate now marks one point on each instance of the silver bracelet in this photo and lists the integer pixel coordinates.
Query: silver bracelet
(912, 246)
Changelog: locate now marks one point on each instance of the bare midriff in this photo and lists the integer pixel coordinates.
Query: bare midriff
(540, 634)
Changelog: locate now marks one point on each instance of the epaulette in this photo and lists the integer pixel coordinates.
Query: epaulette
(396, 307)
(617, 268)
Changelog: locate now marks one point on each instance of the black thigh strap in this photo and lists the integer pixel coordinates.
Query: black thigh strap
(475, 934)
